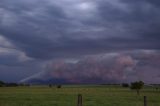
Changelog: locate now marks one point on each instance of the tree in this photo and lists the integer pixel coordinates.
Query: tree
(11, 84)
(138, 85)
(2, 83)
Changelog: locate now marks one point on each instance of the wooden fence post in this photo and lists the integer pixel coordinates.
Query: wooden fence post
(145, 101)
(79, 102)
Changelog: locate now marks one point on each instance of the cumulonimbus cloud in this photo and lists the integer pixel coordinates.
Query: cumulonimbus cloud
(105, 68)
(45, 30)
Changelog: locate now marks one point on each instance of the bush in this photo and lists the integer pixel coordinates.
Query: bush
(59, 86)
(125, 85)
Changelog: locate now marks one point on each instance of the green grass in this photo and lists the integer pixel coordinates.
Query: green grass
(67, 96)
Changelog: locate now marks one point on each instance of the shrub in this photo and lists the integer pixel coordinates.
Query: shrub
(59, 86)
(125, 85)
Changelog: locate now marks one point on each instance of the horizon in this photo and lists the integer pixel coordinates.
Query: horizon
(80, 41)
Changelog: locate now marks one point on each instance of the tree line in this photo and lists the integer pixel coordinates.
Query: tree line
(5, 84)
(137, 86)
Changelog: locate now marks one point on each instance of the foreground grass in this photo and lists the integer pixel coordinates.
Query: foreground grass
(67, 96)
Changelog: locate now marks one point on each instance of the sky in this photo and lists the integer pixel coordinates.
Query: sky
(80, 41)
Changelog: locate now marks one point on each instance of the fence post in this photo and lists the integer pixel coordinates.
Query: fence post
(145, 101)
(79, 103)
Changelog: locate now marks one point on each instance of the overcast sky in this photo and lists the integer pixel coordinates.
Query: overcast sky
(80, 40)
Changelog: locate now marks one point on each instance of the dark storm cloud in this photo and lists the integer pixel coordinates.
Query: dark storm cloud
(47, 29)
(15, 65)
(146, 13)
(152, 2)
(14, 71)
(44, 30)
(30, 32)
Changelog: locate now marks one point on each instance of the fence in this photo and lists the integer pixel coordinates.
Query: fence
(80, 100)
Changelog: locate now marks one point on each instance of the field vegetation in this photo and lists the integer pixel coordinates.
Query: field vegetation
(93, 95)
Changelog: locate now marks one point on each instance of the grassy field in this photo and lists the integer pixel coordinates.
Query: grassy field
(67, 96)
